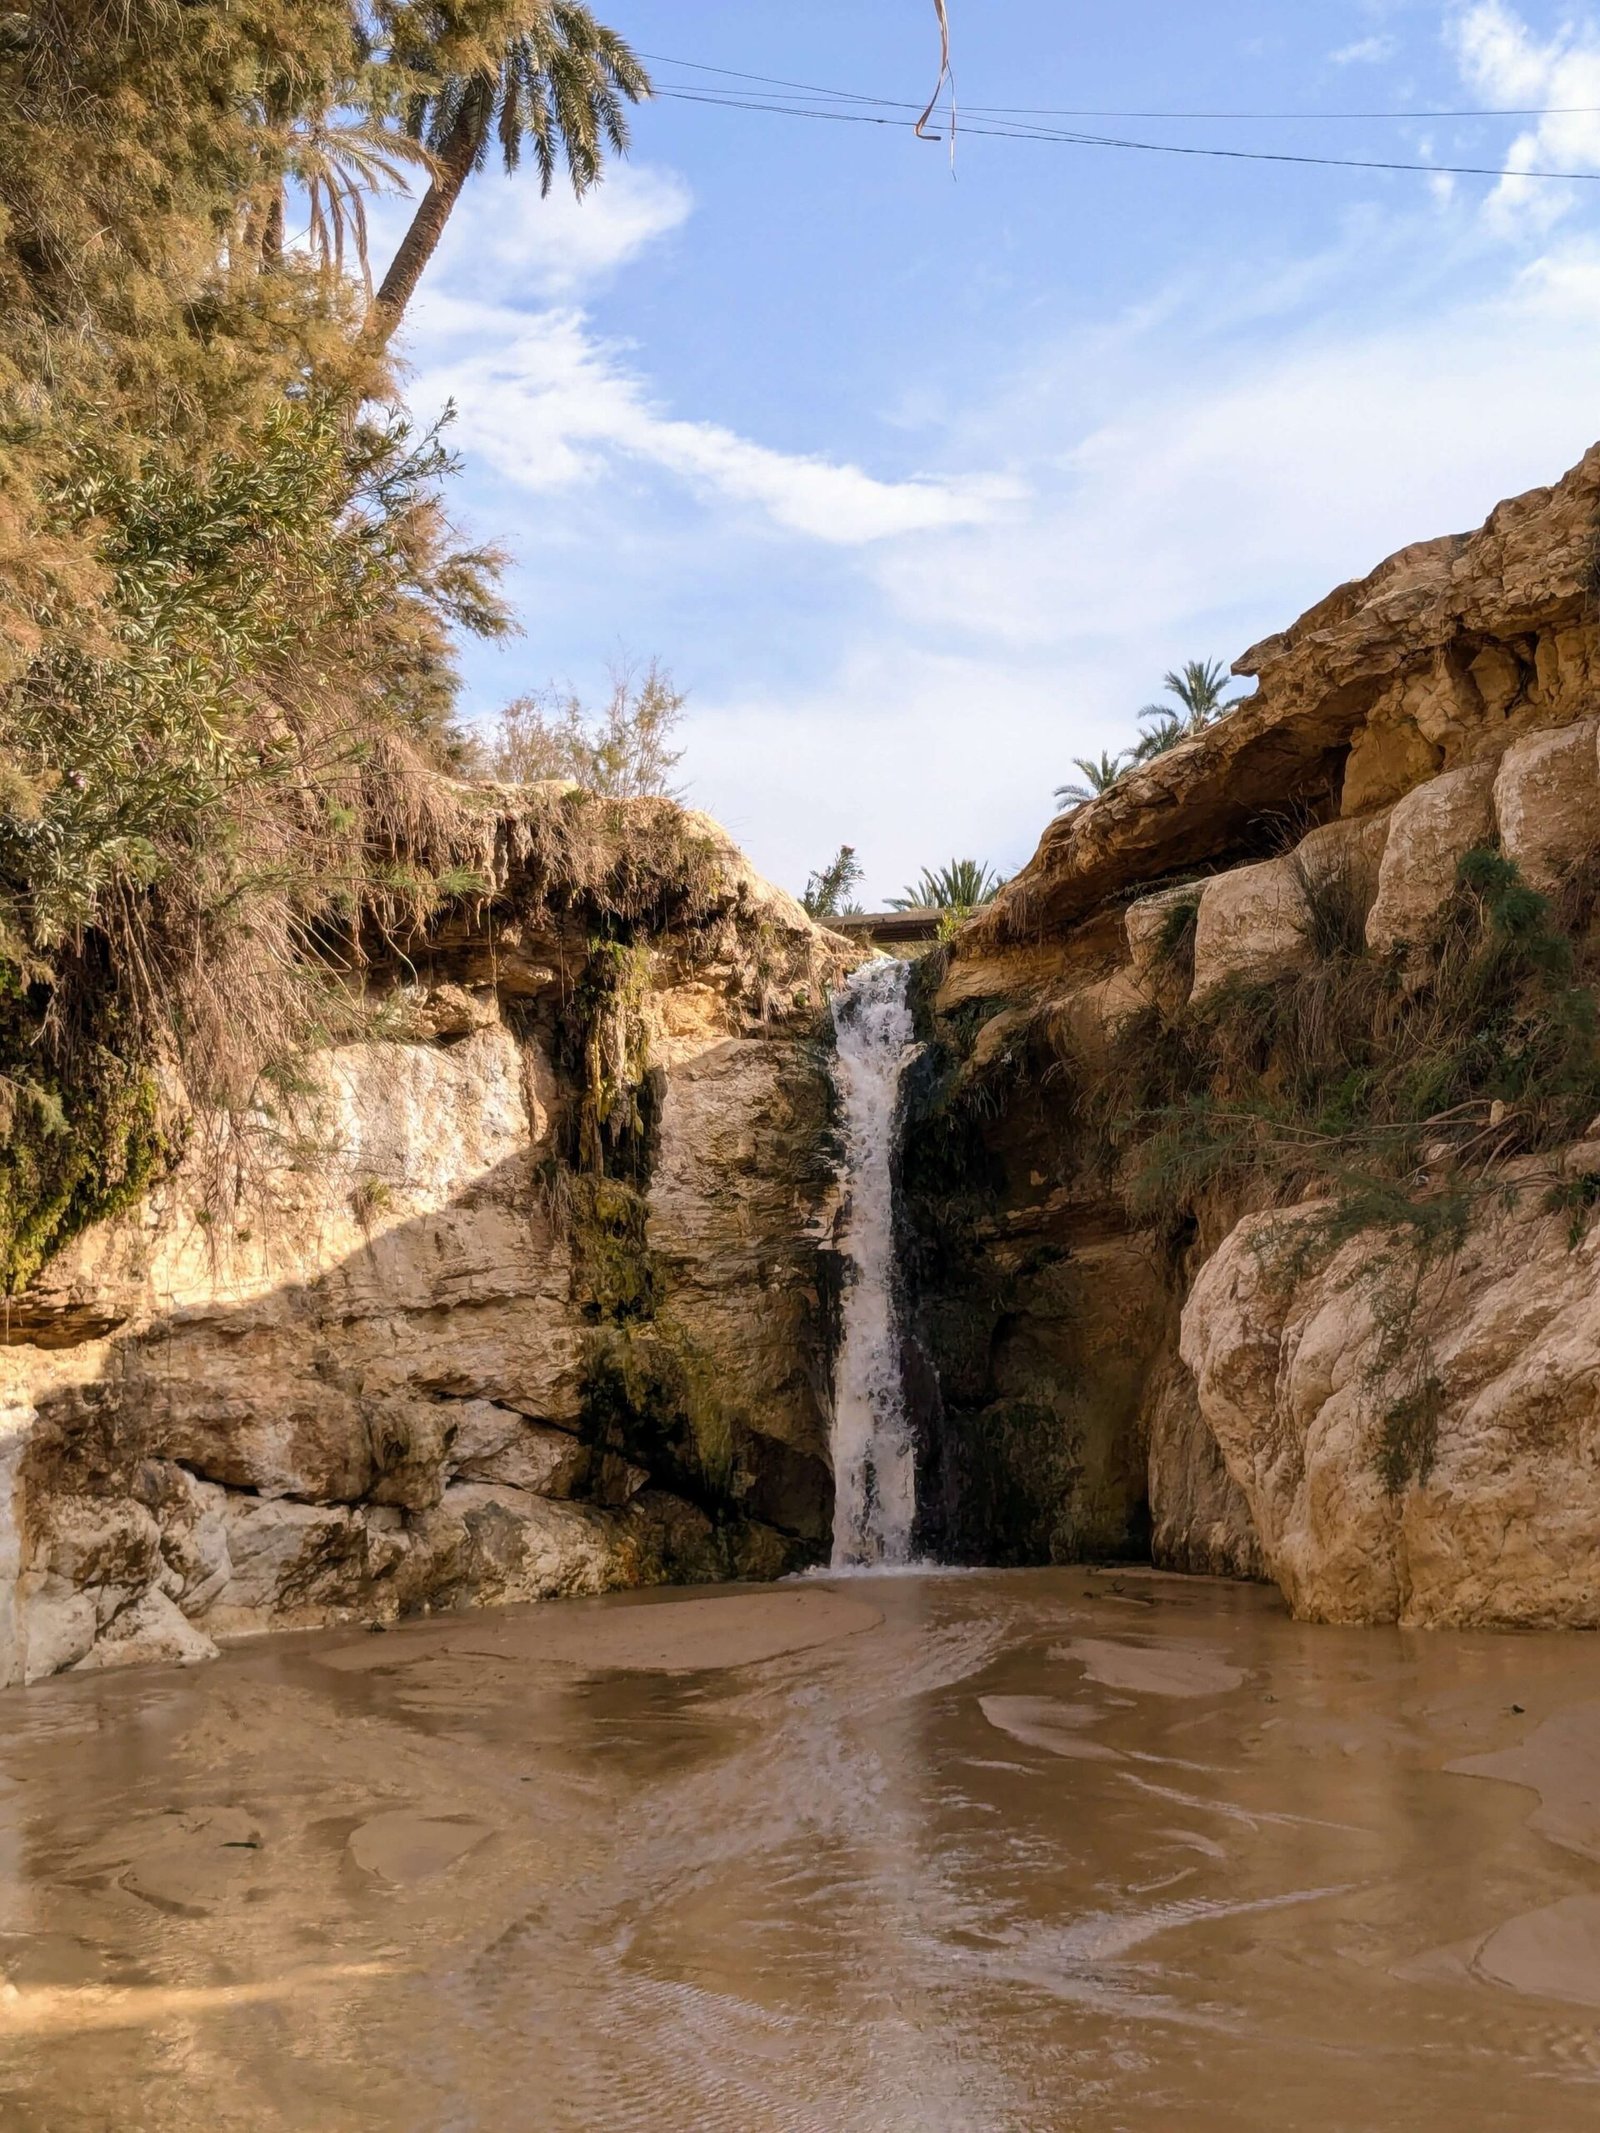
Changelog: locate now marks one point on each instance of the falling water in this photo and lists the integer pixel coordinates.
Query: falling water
(874, 1465)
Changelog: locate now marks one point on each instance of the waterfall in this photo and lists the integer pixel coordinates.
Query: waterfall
(874, 1463)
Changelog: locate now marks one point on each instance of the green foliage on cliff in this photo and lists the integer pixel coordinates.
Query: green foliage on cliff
(606, 1016)
(829, 891)
(1355, 1076)
(227, 587)
(72, 1157)
(960, 886)
(650, 1395)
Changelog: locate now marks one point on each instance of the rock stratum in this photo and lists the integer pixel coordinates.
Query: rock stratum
(1253, 1187)
(528, 1294)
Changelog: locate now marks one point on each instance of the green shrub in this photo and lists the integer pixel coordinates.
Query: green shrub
(1341, 1076)
(1409, 1439)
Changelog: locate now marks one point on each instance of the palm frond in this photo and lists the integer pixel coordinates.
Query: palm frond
(336, 165)
(1099, 775)
(959, 885)
(1199, 686)
(1165, 732)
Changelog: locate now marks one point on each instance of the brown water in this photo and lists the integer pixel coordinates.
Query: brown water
(1049, 1850)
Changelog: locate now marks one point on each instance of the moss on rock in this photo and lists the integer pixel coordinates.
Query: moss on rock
(73, 1151)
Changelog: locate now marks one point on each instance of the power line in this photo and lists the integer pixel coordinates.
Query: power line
(855, 96)
(728, 101)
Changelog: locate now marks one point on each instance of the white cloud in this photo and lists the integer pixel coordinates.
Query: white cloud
(548, 402)
(1366, 51)
(506, 241)
(527, 246)
(1218, 499)
(1503, 59)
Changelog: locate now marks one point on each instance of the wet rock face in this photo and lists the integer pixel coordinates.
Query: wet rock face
(1389, 1434)
(370, 1391)
(1034, 1319)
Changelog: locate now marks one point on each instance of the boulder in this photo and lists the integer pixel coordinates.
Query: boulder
(487, 1543)
(153, 1631)
(1429, 832)
(1250, 928)
(292, 1565)
(1149, 925)
(1089, 1018)
(1547, 802)
(496, 1444)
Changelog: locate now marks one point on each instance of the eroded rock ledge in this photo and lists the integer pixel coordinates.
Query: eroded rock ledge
(529, 1294)
(1241, 1218)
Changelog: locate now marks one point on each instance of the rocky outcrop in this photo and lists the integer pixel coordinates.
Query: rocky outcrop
(1415, 1445)
(528, 1295)
(1444, 655)
(1277, 1064)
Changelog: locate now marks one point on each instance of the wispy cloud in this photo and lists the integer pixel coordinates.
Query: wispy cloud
(549, 402)
(1366, 51)
(1504, 60)
(1209, 505)
(506, 242)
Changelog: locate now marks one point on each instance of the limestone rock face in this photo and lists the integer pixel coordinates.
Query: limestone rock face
(747, 1164)
(1430, 831)
(1251, 926)
(1200, 1517)
(366, 1390)
(1547, 802)
(1442, 1476)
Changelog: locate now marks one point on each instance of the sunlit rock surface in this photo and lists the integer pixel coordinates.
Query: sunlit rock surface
(1452, 1480)
(365, 1387)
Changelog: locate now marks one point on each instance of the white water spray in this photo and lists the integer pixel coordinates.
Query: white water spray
(874, 1462)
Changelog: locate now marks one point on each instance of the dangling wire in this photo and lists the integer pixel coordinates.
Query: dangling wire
(946, 74)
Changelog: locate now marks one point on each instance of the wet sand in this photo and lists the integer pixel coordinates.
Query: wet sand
(1059, 1852)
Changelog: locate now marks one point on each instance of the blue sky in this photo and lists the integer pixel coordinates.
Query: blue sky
(919, 483)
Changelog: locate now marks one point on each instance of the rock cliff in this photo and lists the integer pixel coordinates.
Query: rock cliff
(526, 1294)
(1252, 1172)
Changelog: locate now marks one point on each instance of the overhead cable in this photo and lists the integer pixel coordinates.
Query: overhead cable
(1059, 137)
(856, 96)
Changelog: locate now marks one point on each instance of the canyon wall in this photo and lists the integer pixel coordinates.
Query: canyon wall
(528, 1293)
(1252, 1173)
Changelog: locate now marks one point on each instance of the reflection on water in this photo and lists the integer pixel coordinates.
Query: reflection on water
(1056, 1851)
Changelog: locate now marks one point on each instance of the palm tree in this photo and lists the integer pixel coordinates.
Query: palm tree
(1156, 739)
(959, 885)
(1198, 688)
(1098, 777)
(826, 891)
(551, 77)
(335, 166)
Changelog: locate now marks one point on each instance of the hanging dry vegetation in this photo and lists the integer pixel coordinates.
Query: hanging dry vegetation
(228, 585)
